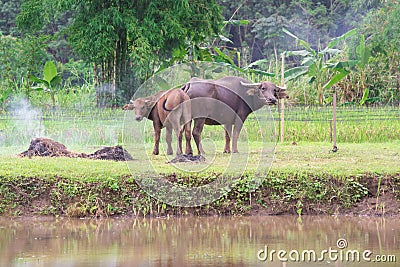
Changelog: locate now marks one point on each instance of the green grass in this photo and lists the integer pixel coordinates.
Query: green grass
(350, 159)
(72, 169)
(316, 158)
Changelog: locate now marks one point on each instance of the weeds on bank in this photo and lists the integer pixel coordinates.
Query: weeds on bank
(280, 192)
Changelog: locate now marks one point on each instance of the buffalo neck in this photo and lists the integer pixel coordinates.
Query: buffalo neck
(257, 103)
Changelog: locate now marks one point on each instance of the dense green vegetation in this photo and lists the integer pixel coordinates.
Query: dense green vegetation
(104, 50)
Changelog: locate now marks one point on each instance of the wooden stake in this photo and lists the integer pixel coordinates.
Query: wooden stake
(335, 148)
(282, 101)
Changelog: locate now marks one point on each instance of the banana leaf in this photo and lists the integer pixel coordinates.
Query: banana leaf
(295, 72)
(336, 78)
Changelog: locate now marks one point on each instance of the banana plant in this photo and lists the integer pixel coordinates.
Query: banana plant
(322, 70)
(315, 63)
(252, 68)
(363, 55)
(51, 79)
(339, 70)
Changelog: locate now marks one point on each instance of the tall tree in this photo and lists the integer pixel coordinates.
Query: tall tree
(382, 35)
(316, 21)
(8, 11)
(117, 35)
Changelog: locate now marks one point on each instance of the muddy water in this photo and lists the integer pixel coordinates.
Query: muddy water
(211, 241)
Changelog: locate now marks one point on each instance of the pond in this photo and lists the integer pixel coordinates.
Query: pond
(201, 241)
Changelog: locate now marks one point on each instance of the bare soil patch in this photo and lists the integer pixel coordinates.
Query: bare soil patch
(46, 147)
(383, 198)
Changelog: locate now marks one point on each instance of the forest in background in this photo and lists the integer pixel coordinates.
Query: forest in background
(104, 50)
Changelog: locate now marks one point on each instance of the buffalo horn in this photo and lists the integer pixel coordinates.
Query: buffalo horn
(281, 87)
(250, 84)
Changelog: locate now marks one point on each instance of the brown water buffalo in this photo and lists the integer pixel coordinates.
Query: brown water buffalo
(169, 109)
(228, 101)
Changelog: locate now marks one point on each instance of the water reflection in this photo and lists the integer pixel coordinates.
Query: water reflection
(210, 241)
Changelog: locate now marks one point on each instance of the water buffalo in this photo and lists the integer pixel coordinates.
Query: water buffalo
(169, 109)
(239, 98)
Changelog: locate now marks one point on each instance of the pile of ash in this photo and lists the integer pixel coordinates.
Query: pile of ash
(46, 147)
(116, 153)
(188, 158)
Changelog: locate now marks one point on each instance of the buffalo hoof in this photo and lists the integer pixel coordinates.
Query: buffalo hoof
(155, 152)
(227, 151)
(170, 152)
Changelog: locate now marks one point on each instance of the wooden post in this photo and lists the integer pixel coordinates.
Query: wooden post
(282, 101)
(335, 148)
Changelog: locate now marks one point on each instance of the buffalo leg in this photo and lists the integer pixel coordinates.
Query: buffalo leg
(228, 133)
(186, 120)
(188, 136)
(173, 123)
(157, 133)
(235, 136)
(178, 138)
(197, 130)
(168, 138)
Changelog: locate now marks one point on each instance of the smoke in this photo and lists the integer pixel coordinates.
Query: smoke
(26, 123)
(105, 95)
(2, 137)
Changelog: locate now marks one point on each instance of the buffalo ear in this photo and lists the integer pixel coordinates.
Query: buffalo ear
(252, 91)
(281, 94)
(149, 103)
(128, 107)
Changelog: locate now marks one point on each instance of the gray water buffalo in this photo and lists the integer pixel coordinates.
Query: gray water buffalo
(169, 109)
(228, 101)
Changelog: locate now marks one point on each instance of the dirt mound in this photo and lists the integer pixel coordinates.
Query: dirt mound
(116, 153)
(46, 147)
(188, 158)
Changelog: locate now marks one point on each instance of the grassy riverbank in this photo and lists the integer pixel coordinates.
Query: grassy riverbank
(306, 178)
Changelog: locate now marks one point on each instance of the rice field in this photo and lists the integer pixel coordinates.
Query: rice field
(354, 124)
(105, 127)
